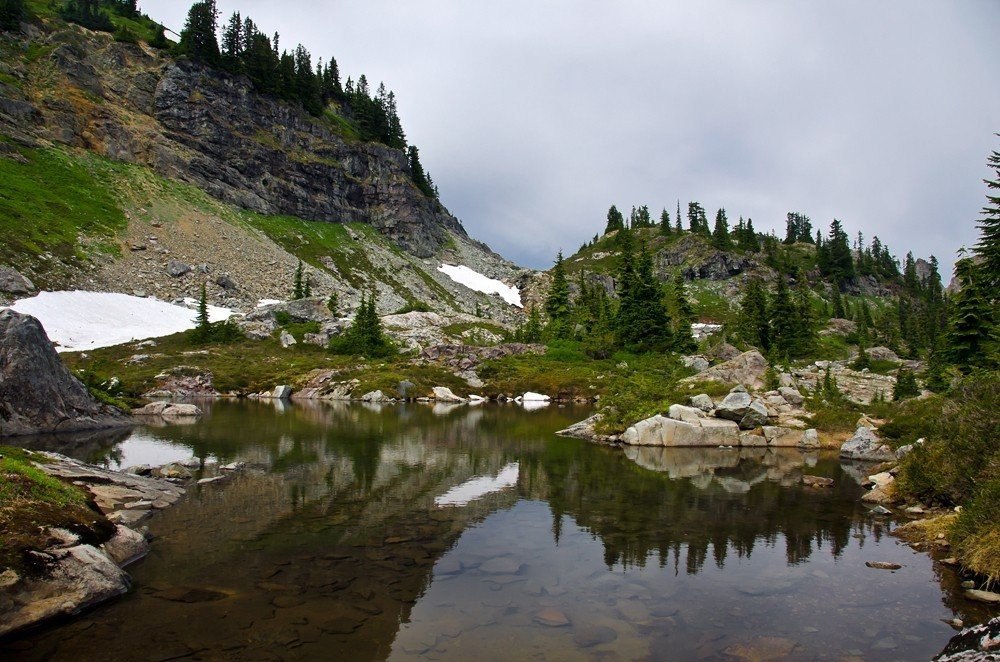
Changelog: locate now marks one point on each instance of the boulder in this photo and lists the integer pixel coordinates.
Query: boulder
(882, 354)
(723, 352)
(865, 446)
(37, 392)
(791, 395)
(817, 481)
(534, 397)
(444, 394)
(176, 268)
(286, 339)
(404, 388)
(839, 327)
(974, 643)
(748, 368)
(309, 309)
(374, 396)
(752, 439)
(662, 431)
(282, 392)
(810, 439)
(77, 578)
(126, 546)
(755, 417)
(781, 437)
(703, 402)
(168, 410)
(696, 363)
(682, 413)
(734, 406)
(13, 282)
(585, 429)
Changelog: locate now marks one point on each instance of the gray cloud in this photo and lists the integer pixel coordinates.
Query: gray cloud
(533, 117)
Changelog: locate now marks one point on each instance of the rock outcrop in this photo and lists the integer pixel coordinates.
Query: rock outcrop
(38, 394)
(747, 369)
(980, 642)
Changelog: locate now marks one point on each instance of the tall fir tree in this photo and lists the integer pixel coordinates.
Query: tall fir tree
(198, 38)
(683, 316)
(971, 329)
(557, 305)
(616, 221)
(988, 246)
(753, 324)
(720, 234)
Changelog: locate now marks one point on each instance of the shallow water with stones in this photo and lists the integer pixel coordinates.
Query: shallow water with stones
(436, 532)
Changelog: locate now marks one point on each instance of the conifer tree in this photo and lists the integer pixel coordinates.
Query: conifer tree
(838, 303)
(11, 14)
(298, 291)
(677, 219)
(971, 326)
(665, 222)
(753, 322)
(557, 305)
(615, 220)
(906, 385)
(202, 322)
(782, 316)
(720, 235)
(333, 304)
(643, 323)
(683, 316)
(417, 172)
(198, 40)
(988, 247)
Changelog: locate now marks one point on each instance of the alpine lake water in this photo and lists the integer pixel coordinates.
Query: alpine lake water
(360, 532)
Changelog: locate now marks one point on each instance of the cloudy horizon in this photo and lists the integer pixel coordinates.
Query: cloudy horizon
(533, 118)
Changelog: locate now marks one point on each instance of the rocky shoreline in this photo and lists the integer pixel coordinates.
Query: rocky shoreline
(75, 575)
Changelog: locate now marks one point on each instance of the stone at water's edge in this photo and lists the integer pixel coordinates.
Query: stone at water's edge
(38, 394)
(981, 642)
(79, 577)
(444, 394)
(865, 446)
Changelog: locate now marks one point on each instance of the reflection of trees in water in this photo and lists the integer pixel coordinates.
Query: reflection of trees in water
(641, 514)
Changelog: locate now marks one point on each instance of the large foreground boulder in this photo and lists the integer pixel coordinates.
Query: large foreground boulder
(38, 394)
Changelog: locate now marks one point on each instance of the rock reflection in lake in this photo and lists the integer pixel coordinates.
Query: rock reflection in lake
(332, 546)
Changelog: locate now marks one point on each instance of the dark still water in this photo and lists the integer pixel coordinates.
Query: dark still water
(474, 533)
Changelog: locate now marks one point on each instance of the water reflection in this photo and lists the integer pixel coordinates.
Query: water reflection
(333, 544)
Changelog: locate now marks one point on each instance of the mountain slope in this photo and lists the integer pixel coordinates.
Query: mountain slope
(76, 103)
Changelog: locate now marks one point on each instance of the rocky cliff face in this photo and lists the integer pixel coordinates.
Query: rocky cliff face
(37, 392)
(193, 123)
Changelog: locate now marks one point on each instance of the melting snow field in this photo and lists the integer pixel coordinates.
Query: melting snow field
(86, 320)
(480, 283)
(480, 486)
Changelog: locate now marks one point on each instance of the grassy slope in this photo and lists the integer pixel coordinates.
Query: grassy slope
(60, 204)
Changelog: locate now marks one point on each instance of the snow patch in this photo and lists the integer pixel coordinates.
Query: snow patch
(267, 302)
(480, 283)
(480, 486)
(79, 320)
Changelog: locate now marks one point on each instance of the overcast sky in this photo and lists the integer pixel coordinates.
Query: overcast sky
(533, 116)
